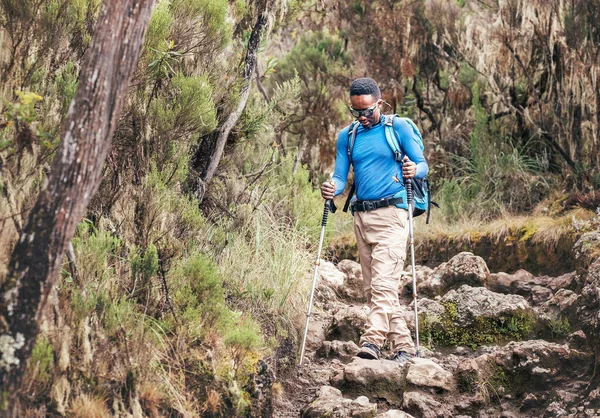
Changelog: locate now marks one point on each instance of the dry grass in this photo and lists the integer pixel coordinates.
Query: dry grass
(86, 406)
(541, 228)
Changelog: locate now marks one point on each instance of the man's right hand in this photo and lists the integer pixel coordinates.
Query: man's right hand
(328, 190)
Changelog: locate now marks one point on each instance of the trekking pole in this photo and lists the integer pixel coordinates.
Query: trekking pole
(314, 283)
(409, 195)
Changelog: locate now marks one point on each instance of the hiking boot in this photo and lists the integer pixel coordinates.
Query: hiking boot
(402, 357)
(369, 351)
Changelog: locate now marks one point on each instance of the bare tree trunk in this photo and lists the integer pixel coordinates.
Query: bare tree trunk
(207, 160)
(73, 180)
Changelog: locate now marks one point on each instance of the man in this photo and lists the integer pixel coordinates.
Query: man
(380, 224)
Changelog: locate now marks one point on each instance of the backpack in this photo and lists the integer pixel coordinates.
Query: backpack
(421, 191)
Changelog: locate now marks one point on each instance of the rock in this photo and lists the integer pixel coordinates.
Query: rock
(478, 302)
(353, 288)
(425, 373)
(560, 307)
(569, 281)
(588, 304)
(577, 340)
(534, 365)
(429, 308)
(381, 379)
(424, 276)
(330, 403)
(348, 324)
(394, 413)
(594, 398)
(463, 268)
(508, 283)
(344, 350)
(530, 402)
(423, 405)
(330, 275)
(586, 249)
(523, 283)
(553, 410)
(325, 295)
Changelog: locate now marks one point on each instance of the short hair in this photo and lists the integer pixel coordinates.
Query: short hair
(364, 86)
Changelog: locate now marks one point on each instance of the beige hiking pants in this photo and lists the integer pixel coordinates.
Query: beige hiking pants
(382, 236)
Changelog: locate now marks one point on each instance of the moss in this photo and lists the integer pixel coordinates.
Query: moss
(42, 358)
(527, 232)
(445, 331)
(467, 381)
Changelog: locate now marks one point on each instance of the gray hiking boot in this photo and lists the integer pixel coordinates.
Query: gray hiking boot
(402, 357)
(369, 351)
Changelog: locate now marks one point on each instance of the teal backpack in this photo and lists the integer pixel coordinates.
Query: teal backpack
(421, 191)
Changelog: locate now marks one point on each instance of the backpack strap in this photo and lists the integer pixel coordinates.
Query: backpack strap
(351, 140)
(392, 137)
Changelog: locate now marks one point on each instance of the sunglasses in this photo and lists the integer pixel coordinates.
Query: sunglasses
(367, 113)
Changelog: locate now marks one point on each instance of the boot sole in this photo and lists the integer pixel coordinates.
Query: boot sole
(367, 355)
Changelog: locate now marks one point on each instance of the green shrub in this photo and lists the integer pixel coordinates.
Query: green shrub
(95, 252)
(198, 295)
(159, 26)
(143, 269)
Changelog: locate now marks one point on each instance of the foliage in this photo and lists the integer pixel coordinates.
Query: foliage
(199, 297)
(319, 59)
(494, 178)
(559, 327)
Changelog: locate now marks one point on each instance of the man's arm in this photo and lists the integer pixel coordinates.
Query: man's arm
(342, 167)
(410, 142)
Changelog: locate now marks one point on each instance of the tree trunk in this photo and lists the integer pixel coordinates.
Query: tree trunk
(74, 178)
(209, 153)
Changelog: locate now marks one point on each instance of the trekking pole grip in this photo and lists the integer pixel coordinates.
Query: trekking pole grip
(326, 212)
(409, 190)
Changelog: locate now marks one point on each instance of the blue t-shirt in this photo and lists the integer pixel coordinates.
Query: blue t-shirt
(375, 169)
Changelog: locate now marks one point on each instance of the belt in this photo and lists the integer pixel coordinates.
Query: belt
(368, 205)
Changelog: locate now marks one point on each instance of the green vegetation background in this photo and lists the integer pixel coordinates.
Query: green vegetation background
(172, 303)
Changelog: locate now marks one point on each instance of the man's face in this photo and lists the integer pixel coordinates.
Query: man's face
(364, 105)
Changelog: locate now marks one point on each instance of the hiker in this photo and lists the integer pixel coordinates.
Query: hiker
(380, 212)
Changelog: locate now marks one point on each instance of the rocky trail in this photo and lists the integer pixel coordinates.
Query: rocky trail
(492, 345)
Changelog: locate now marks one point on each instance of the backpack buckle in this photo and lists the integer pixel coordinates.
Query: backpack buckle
(397, 156)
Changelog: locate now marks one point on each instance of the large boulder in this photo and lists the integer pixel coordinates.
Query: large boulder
(463, 268)
(527, 367)
(472, 316)
(330, 403)
(348, 324)
(381, 379)
(330, 275)
(425, 373)
(473, 303)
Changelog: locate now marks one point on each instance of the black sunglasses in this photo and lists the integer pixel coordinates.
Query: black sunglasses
(367, 113)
